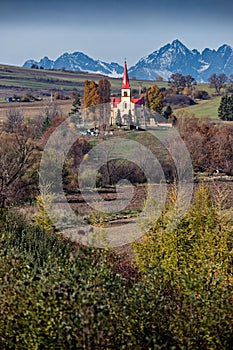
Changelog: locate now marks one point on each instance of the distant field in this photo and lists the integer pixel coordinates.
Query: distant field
(37, 81)
(33, 109)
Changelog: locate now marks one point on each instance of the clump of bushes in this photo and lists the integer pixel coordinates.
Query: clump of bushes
(178, 101)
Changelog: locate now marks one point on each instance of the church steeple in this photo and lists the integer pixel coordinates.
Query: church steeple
(125, 82)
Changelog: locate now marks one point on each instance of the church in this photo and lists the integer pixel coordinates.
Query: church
(126, 105)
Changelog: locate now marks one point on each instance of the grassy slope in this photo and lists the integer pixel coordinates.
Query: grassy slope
(49, 79)
(204, 108)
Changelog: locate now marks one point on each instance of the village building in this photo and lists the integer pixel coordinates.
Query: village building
(126, 106)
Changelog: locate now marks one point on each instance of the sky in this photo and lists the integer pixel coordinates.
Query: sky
(109, 30)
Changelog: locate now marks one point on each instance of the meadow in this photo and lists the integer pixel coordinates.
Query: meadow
(202, 108)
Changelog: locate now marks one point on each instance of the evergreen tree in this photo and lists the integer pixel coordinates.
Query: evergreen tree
(75, 113)
(130, 119)
(46, 124)
(167, 112)
(118, 118)
(225, 110)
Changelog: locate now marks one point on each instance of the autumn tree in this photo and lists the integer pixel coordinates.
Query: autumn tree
(91, 94)
(56, 95)
(159, 78)
(104, 89)
(210, 145)
(91, 99)
(225, 110)
(154, 98)
(217, 81)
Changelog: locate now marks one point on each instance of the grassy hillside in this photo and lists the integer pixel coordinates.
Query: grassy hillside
(203, 108)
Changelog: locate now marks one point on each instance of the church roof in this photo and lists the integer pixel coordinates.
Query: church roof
(125, 82)
(138, 101)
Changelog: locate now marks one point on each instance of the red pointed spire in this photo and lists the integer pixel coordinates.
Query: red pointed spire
(125, 82)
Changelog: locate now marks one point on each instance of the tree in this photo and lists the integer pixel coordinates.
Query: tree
(91, 94)
(104, 89)
(154, 98)
(129, 118)
(168, 112)
(189, 81)
(179, 81)
(217, 81)
(118, 118)
(56, 95)
(19, 155)
(14, 121)
(231, 78)
(159, 78)
(75, 113)
(225, 110)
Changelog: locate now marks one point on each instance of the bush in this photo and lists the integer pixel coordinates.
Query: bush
(195, 262)
(178, 101)
(201, 94)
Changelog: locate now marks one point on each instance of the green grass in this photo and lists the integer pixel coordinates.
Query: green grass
(203, 109)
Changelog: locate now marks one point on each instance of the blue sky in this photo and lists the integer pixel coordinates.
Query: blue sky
(110, 31)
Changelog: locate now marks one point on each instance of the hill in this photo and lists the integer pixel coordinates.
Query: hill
(19, 80)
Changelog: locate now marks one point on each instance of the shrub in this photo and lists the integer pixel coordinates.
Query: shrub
(178, 101)
(201, 94)
(195, 262)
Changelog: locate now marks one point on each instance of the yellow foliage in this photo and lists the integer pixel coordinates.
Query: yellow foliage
(199, 246)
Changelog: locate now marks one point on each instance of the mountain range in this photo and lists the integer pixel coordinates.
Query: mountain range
(172, 58)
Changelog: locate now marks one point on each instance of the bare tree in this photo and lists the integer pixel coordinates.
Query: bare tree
(217, 81)
(19, 154)
(15, 119)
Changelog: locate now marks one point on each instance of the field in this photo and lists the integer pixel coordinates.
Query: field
(13, 79)
(33, 109)
(203, 108)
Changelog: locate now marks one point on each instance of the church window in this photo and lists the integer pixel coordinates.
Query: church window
(125, 93)
(125, 105)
